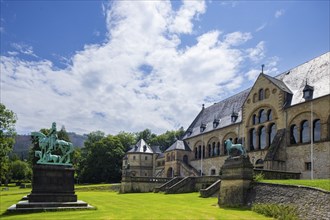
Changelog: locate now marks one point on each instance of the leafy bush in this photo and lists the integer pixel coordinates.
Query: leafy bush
(281, 212)
(259, 177)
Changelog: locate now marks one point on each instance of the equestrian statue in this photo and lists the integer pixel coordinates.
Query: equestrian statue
(49, 144)
(235, 149)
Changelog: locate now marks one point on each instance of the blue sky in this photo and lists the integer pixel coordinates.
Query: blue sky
(131, 65)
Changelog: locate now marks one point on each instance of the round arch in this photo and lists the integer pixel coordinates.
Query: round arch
(255, 111)
(170, 172)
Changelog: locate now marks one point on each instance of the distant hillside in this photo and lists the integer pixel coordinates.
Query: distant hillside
(23, 143)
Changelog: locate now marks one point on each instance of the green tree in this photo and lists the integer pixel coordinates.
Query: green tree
(166, 139)
(20, 171)
(146, 135)
(103, 159)
(63, 135)
(127, 139)
(7, 139)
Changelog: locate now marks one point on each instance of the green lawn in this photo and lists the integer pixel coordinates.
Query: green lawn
(111, 205)
(317, 183)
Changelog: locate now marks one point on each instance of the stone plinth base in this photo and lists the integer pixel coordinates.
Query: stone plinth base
(237, 174)
(26, 206)
(52, 183)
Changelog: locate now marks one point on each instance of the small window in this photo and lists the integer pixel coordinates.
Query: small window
(261, 94)
(269, 115)
(133, 157)
(262, 116)
(305, 133)
(146, 158)
(254, 119)
(317, 130)
(293, 134)
(308, 166)
(213, 172)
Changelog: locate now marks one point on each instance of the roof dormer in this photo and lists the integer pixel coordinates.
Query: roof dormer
(308, 92)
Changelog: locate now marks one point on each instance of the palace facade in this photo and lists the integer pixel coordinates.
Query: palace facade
(283, 122)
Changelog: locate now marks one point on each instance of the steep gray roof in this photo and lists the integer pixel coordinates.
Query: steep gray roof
(141, 147)
(179, 145)
(315, 72)
(221, 111)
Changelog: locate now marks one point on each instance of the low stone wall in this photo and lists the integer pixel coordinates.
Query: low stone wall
(141, 184)
(277, 174)
(311, 203)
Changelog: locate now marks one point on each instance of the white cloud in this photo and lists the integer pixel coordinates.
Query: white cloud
(23, 48)
(279, 13)
(261, 27)
(182, 22)
(257, 53)
(139, 78)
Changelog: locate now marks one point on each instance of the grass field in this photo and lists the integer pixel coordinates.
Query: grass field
(111, 205)
(317, 183)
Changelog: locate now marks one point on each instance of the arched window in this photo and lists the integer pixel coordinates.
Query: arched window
(262, 138)
(225, 148)
(305, 132)
(267, 93)
(317, 130)
(214, 149)
(293, 134)
(218, 148)
(199, 151)
(255, 97)
(262, 116)
(272, 132)
(261, 94)
(203, 151)
(196, 153)
(259, 164)
(253, 139)
(269, 115)
(209, 150)
(254, 119)
(185, 159)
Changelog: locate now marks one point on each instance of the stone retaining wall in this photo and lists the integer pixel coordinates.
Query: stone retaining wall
(141, 184)
(311, 203)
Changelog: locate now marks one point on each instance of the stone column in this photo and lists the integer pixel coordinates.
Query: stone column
(237, 174)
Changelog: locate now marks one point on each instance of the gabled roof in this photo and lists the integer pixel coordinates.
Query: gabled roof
(281, 85)
(141, 147)
(221, 111)
(178, 145)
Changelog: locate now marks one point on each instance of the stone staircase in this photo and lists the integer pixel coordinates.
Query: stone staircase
(160, 173)
(192, 184)
(167, 185)
(211, 190)
(189, 169)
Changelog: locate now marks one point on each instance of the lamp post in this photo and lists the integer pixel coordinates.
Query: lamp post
(312, 127)
(202, 128)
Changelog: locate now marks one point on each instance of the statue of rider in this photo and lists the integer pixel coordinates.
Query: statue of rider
(52, 137)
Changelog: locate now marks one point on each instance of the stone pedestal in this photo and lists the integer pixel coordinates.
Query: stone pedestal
(52, 189)
(52, 184)
(237, 174)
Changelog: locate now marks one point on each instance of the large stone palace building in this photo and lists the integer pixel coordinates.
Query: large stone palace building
(283, 122)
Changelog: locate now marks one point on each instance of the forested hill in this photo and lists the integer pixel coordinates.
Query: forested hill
(23, 142)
